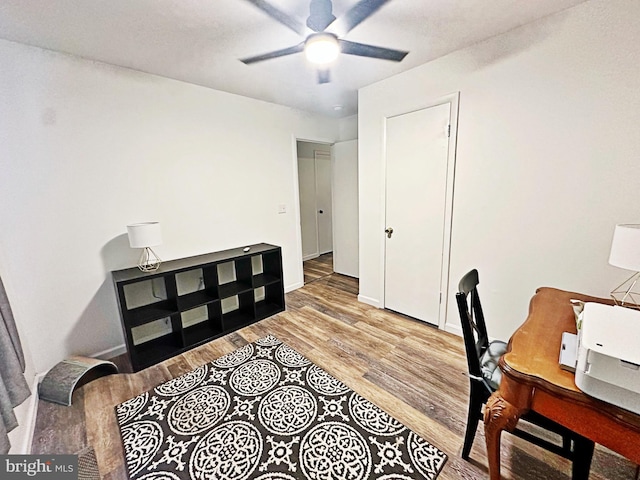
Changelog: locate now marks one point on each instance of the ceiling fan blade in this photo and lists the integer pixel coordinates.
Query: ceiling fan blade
(275, 54)
(362, 50)
(279, 15)
(356, 15)
(324, 76)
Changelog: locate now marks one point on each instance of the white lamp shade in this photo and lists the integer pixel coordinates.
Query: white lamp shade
(145, 234)
(625, 247)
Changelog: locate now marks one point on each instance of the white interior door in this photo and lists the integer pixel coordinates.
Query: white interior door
(323, 202)
(308, 222)
(416, 185)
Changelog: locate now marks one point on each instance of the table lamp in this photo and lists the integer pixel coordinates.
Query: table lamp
(625, 253)
(146, 235)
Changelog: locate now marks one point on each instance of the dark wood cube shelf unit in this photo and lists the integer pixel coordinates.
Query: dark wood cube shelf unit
(190, 301)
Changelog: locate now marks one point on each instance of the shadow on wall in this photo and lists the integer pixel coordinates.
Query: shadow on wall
(117, 254)
(98, 328)
(510, 44)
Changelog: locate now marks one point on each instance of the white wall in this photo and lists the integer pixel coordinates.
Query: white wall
(547, 158)
(348, 128)
(88, 148)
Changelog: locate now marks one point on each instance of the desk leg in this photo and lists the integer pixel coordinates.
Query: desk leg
(498, 415)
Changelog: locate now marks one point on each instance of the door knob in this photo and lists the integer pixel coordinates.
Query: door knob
(389, 232)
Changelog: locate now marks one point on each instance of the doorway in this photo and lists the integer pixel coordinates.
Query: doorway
(316, 208)
(418, 171)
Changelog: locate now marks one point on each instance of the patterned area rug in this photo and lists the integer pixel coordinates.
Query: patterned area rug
(265, 412)
(88, 465)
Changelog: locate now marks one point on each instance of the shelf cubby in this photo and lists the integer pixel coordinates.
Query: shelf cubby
(270, 301)
(190, 301)
(263, 279)
(156, 350)
(234, 288)
(241, 313)
(149, 313)
(196, 299)
(201, 333)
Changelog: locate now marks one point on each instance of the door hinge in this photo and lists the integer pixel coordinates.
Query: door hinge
(448, 130)
(440, 300)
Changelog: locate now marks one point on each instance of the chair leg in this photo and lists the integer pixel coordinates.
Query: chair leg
(582, 455)
(473, 418)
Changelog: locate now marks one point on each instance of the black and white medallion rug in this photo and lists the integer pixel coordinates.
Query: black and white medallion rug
(265, 412)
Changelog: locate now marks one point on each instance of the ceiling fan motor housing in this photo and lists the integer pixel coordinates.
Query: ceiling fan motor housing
(320, 15)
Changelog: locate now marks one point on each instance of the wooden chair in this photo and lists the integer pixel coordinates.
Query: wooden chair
(485, 375)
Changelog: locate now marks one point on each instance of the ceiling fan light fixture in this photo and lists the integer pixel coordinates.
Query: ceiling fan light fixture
(321, 48)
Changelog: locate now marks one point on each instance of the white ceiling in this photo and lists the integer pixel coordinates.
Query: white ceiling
(200, 41)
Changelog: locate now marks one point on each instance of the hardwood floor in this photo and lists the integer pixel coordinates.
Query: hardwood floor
(318, 267)
(411, 370)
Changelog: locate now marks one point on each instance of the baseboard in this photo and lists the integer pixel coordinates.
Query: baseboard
(30, 425)
(310, 257)
(455, 329)
(110, 353)
(369, 301)
(295, 286)
(342, 272)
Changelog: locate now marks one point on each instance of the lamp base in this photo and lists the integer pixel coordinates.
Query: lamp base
(625, 295)
(149, 260)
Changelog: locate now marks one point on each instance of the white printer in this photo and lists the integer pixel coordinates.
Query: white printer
(608, 366)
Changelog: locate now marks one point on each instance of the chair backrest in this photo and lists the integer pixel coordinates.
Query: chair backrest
(474, 328)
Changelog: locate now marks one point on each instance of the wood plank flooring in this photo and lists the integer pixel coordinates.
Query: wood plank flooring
(318, 267)
(411, 370)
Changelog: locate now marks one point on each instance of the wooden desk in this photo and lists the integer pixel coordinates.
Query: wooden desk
(533, 380)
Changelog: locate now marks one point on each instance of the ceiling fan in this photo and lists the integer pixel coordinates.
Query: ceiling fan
(322, 46)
